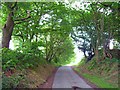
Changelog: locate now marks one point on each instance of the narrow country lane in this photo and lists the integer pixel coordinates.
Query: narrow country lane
(66, 78)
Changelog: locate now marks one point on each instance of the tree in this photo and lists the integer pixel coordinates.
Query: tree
(9, 25)
(93, 32)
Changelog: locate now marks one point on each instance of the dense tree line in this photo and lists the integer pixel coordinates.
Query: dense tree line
(96, 27)
(40, 32)
(43, 29)
(44, 32)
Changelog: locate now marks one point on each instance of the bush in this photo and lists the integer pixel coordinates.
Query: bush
(9, 59)
(12, 81)
(14, 59)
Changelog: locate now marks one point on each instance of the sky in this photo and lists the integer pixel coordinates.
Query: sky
(11, 45)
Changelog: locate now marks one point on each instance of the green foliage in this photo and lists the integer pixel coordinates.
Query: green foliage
(14, 59)
(9, 59)
(92, 29)
(65, 55)
(12, 81)
(99, 66)
(45, 36)
(99, 81)
(100, 72)
(109, 61)
(3, 15)
(82, 62)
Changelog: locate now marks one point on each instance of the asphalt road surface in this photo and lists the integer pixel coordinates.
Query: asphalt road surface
(65, 77)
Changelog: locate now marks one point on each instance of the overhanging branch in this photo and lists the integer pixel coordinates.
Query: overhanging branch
(20, 20)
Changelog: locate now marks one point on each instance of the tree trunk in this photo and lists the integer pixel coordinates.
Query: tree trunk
(7, 31)
(97, 41)
(102, 35)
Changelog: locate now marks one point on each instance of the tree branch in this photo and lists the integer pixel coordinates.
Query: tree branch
(21, 22)
(24, 19)
(14, 6)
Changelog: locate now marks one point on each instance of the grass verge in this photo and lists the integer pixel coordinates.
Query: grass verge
(97, 80)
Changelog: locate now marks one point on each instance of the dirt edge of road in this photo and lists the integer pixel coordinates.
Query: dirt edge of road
(49, 81)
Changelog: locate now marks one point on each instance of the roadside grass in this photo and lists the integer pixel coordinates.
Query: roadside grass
(103, 74)
(97, 80)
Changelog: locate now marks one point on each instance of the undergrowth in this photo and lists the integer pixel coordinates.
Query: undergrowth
(105, 71)
(19, 69)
